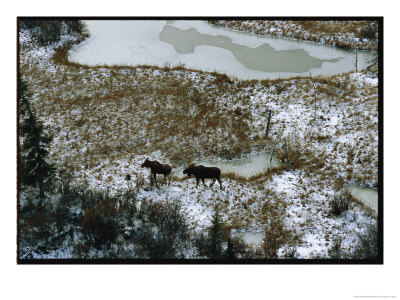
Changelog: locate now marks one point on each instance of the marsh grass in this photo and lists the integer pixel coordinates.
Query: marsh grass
(254, 178)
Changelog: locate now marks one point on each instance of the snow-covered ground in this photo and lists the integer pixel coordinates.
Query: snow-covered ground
(107, 120)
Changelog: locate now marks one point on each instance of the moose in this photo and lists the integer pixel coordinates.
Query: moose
(202, 172)
(158, 168)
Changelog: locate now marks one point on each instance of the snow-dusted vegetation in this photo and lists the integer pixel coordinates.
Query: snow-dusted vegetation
(342, 34)
(106, 120)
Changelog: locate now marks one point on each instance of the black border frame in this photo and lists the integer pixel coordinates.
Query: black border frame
(378, 261)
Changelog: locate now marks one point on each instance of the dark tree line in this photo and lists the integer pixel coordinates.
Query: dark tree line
(47, 31)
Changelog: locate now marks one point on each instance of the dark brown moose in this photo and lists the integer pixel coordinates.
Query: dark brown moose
(158, 168)
(201, 172)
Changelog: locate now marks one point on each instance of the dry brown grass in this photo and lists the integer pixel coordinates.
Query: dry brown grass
(277, 235)
(332, 27)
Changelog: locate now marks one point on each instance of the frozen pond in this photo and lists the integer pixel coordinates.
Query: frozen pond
(199, 45)
(366, 195)
(245, 167)
(250, 237)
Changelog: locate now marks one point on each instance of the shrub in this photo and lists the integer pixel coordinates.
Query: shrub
(276, 234)
(370, 31)
(163, 231)
(39, 222)
(217, 242)
(50, 31)
(339, 204)
(201, 243)
(98, 229)
(240, 248)
(238, 111)
(101, 220)
(221, 78)
(139, 182)
(65, 187)
(274, 238)
(81, 250)
(336, 252)
(215, 238)
(42, 230)
(280, 88)
(367, 245)
(293, 153)
(167, 66)
(29, 24)
(230, 250)
(180, 66)
(75, 26)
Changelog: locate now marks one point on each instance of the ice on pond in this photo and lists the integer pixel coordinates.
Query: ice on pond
(250, 237)
(199, 45)
(245, 167)
(367, 196)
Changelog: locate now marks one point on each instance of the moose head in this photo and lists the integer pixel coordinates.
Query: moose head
(189, 170)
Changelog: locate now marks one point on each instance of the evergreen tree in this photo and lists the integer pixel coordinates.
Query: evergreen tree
(230, 250)
(215, 237)
(34, 169)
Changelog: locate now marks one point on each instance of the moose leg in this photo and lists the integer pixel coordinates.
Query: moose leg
(151, 179)
(219, 181)
(197, 179)
(155, 178)
(203, 181)
(212, 182)
(169, 179)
